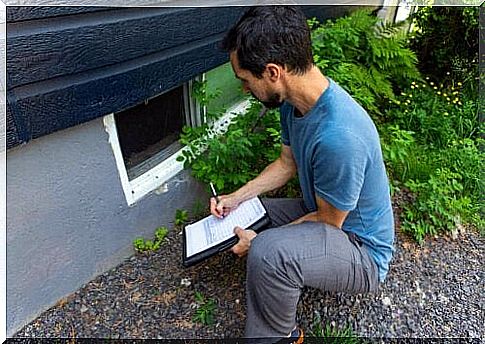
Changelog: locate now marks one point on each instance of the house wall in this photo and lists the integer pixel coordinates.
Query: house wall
(68, 219)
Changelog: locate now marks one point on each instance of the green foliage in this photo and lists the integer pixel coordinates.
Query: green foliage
(232, 159)
(147, 245)
(331, 333)
(437, 115)
(430, 146)
(201, 93)
(438, 206)
(205, 309)
(181, 217)
(365, 56)
(396, 146)
(160, 234)
(446, 42)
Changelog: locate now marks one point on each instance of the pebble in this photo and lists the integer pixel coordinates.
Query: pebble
(386, 301)
(185, 282)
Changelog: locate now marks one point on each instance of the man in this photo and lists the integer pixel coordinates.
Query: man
(339, 237)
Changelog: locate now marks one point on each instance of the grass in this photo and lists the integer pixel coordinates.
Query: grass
(332, 334)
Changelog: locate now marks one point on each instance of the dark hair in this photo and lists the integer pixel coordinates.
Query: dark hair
(271, 34)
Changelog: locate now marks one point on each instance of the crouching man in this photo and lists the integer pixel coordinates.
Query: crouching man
(339, 236)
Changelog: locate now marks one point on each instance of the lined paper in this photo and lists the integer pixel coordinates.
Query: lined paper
(211, 230)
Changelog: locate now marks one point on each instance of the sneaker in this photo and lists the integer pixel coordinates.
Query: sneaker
(297, 336)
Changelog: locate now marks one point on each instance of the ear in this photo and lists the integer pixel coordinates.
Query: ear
(274, 71)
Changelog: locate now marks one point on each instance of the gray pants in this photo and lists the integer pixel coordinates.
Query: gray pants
(282, 260)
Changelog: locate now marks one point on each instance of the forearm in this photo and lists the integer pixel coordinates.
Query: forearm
(326, 213)
(275, 175)
(308, 217)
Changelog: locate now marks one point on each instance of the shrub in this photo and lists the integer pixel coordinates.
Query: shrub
(366, 57)
(437, 114)
(438, 205)
(230, 160)
(446, 42)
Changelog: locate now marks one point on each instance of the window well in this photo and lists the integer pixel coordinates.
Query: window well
(148, 133)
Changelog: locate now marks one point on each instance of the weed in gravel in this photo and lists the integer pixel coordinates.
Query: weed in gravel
(146, 245)
(332, 334)
(205, 309)
(181, 217)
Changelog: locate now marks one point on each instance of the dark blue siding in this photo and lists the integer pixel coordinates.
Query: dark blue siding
(68, 65)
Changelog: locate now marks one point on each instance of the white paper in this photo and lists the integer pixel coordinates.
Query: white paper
(211, 230)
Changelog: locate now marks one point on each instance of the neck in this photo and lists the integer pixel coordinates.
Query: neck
(303, 91)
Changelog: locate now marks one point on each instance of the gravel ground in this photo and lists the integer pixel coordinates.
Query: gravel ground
(433, 290)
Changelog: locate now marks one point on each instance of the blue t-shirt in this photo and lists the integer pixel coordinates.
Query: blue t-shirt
(338, 155)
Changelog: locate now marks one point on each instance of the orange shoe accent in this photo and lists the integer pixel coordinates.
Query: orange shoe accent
(301, 337)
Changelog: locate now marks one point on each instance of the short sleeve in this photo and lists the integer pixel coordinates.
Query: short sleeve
(339, 164)
(285, 112)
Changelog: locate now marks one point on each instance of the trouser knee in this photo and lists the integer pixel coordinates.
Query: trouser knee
(270, 260)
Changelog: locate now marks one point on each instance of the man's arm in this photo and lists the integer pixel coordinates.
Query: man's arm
(325, 213)
(275, 175)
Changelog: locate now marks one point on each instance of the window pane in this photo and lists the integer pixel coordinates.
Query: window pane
(222, 78)
(148, 133)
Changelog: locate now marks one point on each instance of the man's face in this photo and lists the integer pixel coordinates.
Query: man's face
(260, 88)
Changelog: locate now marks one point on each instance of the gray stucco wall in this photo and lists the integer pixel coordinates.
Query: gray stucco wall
(67, 217)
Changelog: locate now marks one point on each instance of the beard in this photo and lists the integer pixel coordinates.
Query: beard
(274, 101)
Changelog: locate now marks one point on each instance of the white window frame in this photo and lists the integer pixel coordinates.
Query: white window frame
(155, 178)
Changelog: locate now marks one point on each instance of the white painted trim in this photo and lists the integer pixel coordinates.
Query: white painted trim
(110, 127)
(155, 178)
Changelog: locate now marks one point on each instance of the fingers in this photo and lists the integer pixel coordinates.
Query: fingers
(213, 204)
(216, 208)
(220, 208)
(239, 232)
(245, 237)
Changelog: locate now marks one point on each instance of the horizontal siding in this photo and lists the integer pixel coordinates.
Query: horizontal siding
(72, 103)
(77, 43)
(69, 65)
(15, 14)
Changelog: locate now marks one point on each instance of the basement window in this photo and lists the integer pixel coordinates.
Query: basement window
(145, 138)
(149, 133)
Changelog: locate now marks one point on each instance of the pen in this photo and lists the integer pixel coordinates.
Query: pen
(214, 194)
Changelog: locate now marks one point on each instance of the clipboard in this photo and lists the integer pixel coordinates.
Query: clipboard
(194, 259)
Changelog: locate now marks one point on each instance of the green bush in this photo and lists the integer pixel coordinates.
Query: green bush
(430, 146)
(332, 334)
(230, 160)
(446, 42)
(397, 147)
(181, 217)
(366, 57)
(438, 206)
(436, 114)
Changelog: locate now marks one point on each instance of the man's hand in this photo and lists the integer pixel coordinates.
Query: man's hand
(224, 206)
(245, 237)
